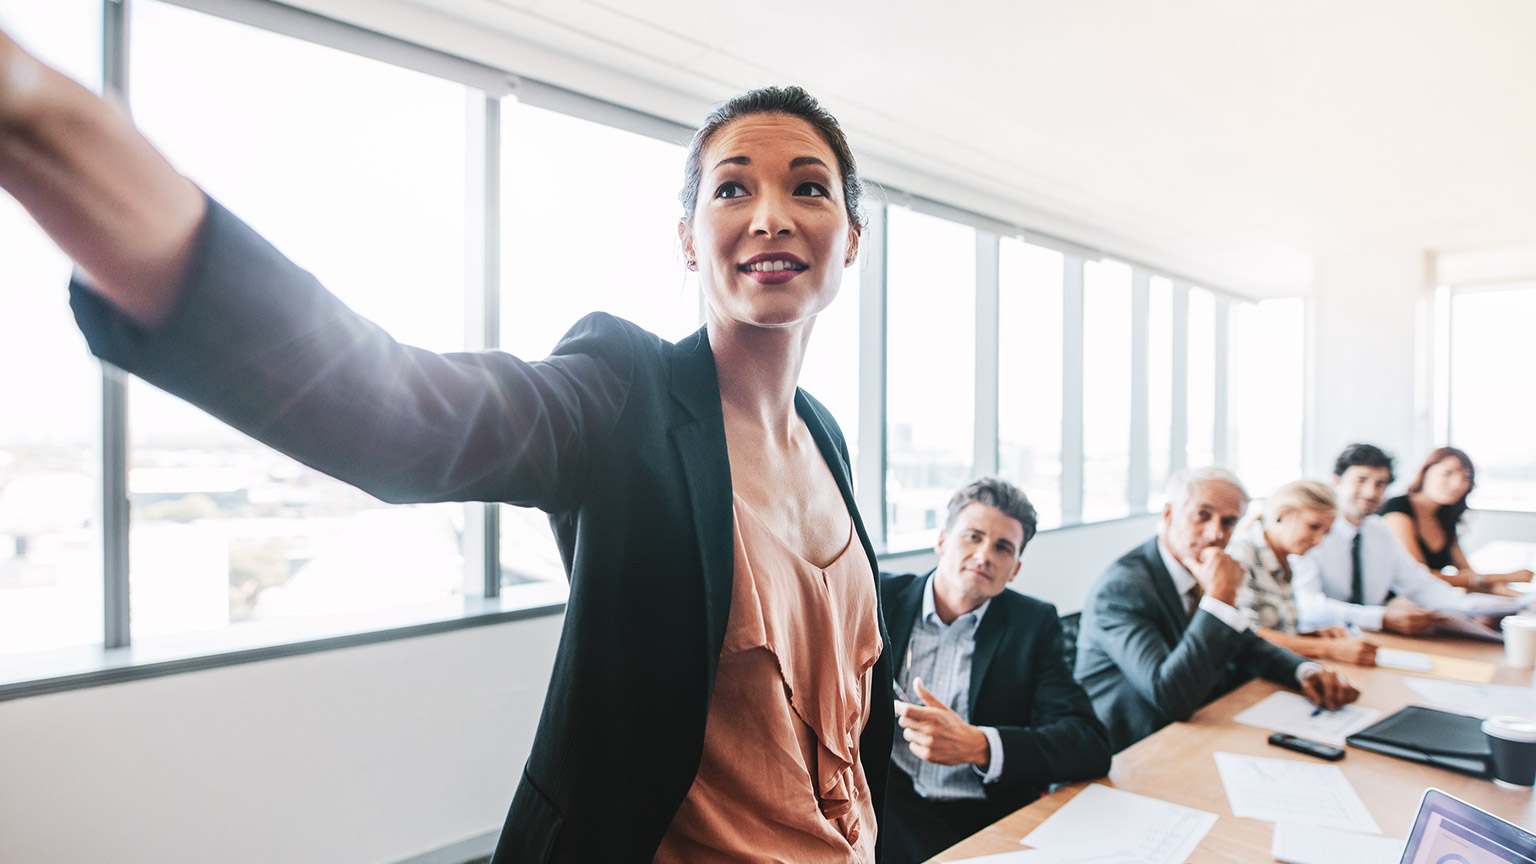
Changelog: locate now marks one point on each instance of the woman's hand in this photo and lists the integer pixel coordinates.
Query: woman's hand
(99, 190)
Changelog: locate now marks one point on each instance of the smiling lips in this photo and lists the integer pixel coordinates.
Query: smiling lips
(773, 268)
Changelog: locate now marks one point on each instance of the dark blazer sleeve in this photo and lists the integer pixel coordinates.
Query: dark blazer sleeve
(1061, 739)
(258, 343)
(1176, 675)
(1267, 660)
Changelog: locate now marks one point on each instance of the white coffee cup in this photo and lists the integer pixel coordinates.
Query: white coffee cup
(1519, 641)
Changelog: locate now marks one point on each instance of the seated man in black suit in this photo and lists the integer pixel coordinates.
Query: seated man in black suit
(1159, 635)
(969, 652)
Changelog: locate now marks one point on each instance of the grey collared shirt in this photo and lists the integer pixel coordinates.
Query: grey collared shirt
(940, 654)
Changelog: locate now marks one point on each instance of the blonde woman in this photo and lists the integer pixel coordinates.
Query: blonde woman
(1295, 518)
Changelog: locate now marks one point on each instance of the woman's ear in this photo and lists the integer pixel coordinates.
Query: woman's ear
(854, 233)
(685, 238)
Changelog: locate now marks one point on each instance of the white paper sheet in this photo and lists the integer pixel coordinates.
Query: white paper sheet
(1279, 790)
(1312, 844)
(1146, 830)
(1072, 853)
(1476, 700)
(1396, 658)
(1289, 712)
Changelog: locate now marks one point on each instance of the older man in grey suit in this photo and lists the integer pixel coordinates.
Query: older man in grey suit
(1160, 637)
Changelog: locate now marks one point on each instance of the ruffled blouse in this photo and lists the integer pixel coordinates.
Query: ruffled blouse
(780, 778)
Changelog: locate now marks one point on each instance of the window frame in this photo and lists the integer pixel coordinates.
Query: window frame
(117, 658)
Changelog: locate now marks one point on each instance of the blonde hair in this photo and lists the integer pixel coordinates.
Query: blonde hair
(1298, 495)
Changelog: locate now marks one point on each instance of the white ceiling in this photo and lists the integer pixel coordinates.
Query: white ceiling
(1231, 141)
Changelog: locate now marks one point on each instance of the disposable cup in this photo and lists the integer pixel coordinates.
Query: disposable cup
(1519, 641)
(1512, 741)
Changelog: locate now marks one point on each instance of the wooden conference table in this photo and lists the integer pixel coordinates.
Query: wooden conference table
(1176, 765)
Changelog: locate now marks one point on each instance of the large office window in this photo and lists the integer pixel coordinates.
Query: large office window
(1029, 373)
(588, 223)
(1159, 389)
(831, 365)
(1200, 448)
(930, 371)
(1490, 418)
(50, 561)
(1106, 389)
(1266, 404)
(223, 529)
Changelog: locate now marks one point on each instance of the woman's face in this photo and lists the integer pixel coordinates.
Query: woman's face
(1447, 481)
(770, 235)
(1296, 532)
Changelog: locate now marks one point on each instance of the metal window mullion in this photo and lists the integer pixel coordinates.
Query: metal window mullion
(984, 460)
(1178, 432)
(1072, 363)
(1138, 481)
(869, 472)
(482, 287)
(113, 461)
(1221, 450)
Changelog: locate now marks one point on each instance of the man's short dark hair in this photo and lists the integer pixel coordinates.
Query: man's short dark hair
(1366, 455)
(997, 493)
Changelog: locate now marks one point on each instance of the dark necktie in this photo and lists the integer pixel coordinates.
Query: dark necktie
(1357, 579)
(1195, 594)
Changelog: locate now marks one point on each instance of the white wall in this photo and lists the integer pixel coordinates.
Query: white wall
(1363, 365)
(367, 754)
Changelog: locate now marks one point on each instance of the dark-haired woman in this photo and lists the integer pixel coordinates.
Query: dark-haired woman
(712, 696)
(1425, 521)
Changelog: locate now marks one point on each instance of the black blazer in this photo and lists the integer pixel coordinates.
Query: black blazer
(1021, 685)
(618, 435)
(1146, 663)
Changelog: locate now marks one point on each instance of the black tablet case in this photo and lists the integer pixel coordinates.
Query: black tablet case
(1439, 738)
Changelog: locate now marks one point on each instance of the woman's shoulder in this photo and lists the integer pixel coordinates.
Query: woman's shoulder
(1398, 504)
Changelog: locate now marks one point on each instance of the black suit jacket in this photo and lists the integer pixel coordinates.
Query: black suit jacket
(618, 435)
(1021, 685)
(1146, 663)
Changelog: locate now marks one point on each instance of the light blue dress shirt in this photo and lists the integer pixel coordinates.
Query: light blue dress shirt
(940, 654)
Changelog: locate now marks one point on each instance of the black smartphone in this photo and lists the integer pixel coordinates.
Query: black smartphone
(1307, 746)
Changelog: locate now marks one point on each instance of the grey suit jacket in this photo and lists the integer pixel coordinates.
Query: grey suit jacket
(1146, 662)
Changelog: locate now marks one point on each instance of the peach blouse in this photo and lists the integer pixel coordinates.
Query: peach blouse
(780, 778)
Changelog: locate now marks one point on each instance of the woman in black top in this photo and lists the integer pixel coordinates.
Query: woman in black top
(1425, 521)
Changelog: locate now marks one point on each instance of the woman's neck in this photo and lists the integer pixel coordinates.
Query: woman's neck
(758, 369)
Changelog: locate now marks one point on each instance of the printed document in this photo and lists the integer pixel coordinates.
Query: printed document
(1280, 790)
(1290, 712)
(1147, 831)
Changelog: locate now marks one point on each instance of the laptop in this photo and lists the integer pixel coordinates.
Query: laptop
(1451, 831)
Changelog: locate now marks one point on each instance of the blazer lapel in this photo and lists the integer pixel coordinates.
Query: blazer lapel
(989, 635)
(837, 461)
(901, 617)
(1173, 604)
(701, 449)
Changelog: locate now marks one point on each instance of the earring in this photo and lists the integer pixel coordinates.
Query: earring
(692, 264)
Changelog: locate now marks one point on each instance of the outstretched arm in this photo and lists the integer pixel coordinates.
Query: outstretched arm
(104, 195)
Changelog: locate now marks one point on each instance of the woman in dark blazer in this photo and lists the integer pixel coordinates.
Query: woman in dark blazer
(635, 446)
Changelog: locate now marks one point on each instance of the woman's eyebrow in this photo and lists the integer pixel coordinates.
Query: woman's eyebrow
(801, 161)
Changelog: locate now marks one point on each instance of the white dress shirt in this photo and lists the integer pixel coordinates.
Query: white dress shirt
(1324, 577)
(1184, 582)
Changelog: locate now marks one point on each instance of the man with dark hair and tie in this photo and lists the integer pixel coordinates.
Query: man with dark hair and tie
(989, 714)
(1349, 577)
(1160, 637)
